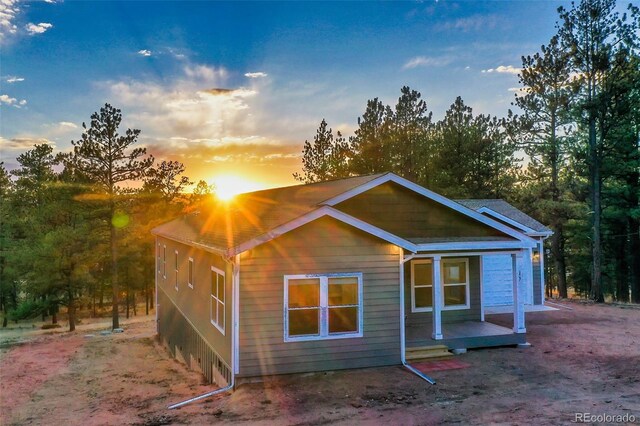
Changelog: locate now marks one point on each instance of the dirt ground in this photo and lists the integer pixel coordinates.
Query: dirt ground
(584, 358)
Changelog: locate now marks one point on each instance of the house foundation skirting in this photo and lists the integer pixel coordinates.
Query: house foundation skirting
(187, 345)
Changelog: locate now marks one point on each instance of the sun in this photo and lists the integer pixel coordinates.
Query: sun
(228, 186)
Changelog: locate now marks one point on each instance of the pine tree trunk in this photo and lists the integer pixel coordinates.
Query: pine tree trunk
(596, 206)
(114, 268)
(133, 303)
(634, 253)
(71, 309)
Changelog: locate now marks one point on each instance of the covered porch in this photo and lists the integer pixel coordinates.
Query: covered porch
(452, 312)
(464, 335)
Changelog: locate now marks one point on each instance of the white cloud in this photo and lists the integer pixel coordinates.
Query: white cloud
(204, 72)
(13, 79)
(423, 61)
(471, 23)
(144, 52)
(6, 99)
(502, 69)
(40, 28)
(258, 74)
(68, 124)
(8, 11)
(194, 106)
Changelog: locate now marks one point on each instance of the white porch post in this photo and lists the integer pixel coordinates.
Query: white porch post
(518, 293)
(437, 300)
(541, 263)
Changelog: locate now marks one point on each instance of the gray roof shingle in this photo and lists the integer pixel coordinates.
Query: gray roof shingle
(505, 209)
(226, 225)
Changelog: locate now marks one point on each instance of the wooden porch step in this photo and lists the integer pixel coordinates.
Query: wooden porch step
(427, 352)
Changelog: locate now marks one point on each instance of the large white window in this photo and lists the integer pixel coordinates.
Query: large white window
(190, 282)
(322, 306)
(217, 307)
(454, 281)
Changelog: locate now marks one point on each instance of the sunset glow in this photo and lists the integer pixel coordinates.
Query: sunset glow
(228, 186)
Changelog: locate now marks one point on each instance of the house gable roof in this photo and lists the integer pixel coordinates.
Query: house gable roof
(505, 212)
(257, 217)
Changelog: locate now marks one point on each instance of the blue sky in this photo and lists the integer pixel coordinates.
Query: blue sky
(283, 67)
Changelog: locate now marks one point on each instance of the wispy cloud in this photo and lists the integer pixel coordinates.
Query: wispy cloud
(68, 124)
(13, 79)
(502, 69)
(471, 23)
(258, 74)
(8, 11)
(40, 28)
(424, 61)
(22, 143)
(144, 52)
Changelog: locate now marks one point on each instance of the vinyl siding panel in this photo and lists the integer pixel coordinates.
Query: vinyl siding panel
(194, 302)
(537, 284)
(410, 215)
(471, 314)
(320, 247)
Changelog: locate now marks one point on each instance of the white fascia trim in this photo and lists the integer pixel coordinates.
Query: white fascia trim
(316, 214)
(390, 177)
(506, 219)
(477, 245)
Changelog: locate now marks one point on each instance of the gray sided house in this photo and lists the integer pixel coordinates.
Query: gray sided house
(343, 274)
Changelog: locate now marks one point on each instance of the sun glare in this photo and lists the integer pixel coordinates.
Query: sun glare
(228, 186)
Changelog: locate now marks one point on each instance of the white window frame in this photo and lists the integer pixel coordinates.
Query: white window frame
(159, 257)
(164, 261)
(442, 285)
(324, 307)
(224, 302)
(176, 265)
(413, 284)
(190, 272)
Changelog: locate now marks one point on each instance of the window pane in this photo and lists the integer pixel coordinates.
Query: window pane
(221, 315)
(304, 322)
(214, 310)
(221, 287)
(343, 320)
(423, 273)
(191, 272)
(454, 272)
(304, 293)
(423, 297)
(214, 284)
(343, 291)
(455, 295)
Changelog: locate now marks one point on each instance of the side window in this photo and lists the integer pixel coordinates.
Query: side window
(217, 307)
(190, 282)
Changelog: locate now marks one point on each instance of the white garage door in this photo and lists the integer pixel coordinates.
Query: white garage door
(497, 281)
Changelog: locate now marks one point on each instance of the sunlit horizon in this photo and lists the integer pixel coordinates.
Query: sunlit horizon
(228, 186)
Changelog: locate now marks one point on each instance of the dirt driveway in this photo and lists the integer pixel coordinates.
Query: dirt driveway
(583, 360)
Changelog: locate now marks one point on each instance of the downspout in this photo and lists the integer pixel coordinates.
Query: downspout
(402, 325)
(235, 268)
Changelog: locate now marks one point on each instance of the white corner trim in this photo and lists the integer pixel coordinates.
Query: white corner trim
(316, 214)
(506, 219)
(390, 177)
